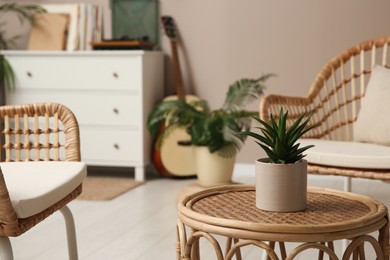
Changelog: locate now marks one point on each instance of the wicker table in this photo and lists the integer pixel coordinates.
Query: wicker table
(331, 215)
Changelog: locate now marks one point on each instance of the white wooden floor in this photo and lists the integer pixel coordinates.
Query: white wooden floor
(141, 224)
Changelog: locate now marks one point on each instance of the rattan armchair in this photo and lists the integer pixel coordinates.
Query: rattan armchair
(41, 139)
(335, 99)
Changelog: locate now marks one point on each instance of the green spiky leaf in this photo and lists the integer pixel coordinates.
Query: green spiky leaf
(278, 141)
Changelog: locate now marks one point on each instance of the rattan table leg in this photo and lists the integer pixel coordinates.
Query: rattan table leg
(271, 245)
(178, 251)
(238, 254)
(355, 248)
(331, 245)
(362, 255)
(228, 245)
(229, 242)
(195, 252)
(312, 245)
(195, 249)
(181, 240)
(383, 239)
(321, 253)
(282, 249)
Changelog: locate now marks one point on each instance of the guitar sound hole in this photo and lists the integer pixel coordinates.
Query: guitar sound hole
(184, 143)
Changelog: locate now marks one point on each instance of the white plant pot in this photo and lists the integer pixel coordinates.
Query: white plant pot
(212, 169)
(281, 187)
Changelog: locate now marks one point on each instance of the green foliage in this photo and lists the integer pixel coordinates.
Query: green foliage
(6, 73)
(278, 141)
(23, 12)
(216, 129)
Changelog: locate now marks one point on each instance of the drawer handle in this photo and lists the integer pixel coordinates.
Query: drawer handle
(29, 74)
(116, 146)
(115, 110)
(115, 75)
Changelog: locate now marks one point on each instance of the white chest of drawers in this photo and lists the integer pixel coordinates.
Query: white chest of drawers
(110, 92)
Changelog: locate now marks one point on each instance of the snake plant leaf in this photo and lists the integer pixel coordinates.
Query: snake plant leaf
(266, 129)
(301, 129)
(273, 157)
(278, 141)
(299, 151)
(257, 136)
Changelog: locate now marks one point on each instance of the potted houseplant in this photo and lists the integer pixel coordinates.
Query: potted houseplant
(281, 179)
(212, 133)
(24, 12)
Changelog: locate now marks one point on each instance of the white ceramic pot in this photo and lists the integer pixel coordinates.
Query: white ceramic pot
(212, 169)
(281, 187)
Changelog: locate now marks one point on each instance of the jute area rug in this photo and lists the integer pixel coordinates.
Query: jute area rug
(106, 188)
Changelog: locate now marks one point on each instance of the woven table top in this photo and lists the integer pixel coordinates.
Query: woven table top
(328, 211)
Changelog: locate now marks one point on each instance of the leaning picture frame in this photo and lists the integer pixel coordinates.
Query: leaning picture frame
(73, 11)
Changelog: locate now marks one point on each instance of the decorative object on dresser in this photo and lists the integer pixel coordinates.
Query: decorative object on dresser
(214, 131)
(84, 23)
(174, 156)
(135, 19)
(281, 179)
(350, 99)
(111, 93)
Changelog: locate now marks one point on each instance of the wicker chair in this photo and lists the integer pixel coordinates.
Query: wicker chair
(40, 154)
(335, 99)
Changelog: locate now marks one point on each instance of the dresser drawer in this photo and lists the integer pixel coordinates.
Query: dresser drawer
(110, 92)
(103, 110)
(111, 145)
(73, 72)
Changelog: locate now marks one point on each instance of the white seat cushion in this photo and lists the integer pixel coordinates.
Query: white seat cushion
(347, 154)
(35, 186)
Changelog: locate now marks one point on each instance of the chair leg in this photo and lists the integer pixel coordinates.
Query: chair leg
(71, 232)
(348, 188)
(6, 249)
(347, 184)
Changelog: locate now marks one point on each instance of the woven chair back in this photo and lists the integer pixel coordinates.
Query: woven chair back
(335, 95)
(39, 132)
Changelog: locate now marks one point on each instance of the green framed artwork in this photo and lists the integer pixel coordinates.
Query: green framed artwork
(135, 19)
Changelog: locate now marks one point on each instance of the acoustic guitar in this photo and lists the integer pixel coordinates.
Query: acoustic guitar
(175, 158)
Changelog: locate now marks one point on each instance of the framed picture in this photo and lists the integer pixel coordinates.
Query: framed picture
(135, 20)
(72, 10)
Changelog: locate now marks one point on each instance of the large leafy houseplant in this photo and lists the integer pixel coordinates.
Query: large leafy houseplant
(215, 129)
(24, 13)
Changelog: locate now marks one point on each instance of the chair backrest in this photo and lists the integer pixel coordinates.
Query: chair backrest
(338, 89)
(39, 132)
(336, 93)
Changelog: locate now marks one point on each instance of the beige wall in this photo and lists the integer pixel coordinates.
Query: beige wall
(224, 40)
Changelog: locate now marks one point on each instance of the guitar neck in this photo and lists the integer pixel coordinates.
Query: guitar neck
(177, 72)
